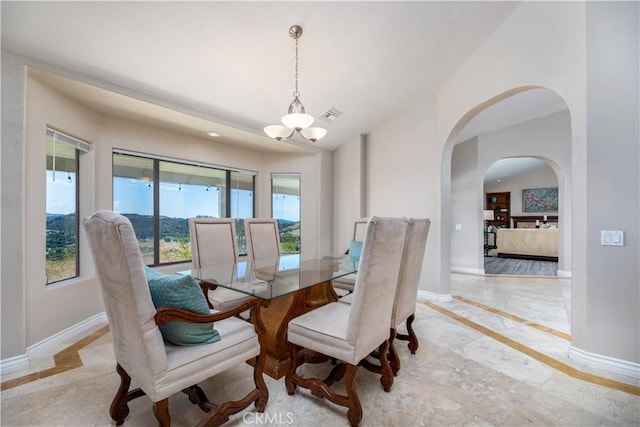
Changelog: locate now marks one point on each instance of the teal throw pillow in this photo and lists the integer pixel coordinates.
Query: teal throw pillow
(355, 249)
(181, 291)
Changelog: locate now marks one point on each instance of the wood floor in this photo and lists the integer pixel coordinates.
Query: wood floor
(525, 267)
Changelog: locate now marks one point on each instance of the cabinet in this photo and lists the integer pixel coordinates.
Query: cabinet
(500, 204)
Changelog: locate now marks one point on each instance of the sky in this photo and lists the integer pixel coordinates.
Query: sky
(185, 201)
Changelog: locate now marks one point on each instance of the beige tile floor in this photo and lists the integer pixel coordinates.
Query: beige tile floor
(495, 355)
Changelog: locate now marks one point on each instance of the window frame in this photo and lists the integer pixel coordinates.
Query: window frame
(156, 192)
(80, 147)
(298, 175)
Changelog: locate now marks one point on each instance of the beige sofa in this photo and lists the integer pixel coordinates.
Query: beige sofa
(529, 243)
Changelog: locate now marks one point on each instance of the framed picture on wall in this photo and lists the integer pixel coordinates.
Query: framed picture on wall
(540, 199)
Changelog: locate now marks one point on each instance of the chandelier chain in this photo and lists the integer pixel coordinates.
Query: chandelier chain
(296, 94)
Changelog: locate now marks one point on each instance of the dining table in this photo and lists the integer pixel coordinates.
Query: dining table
(289, 286)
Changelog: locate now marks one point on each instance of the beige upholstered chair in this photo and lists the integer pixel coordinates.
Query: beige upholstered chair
(213, 241)
(348, 282)
(407, 293)
(350, 332)
(158, 368)
(404, 306)
(263, 238)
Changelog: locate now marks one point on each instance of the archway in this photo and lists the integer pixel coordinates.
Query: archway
(524, 121)
(520, 196)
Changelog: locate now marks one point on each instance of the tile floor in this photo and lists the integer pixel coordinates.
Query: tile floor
(495, 355)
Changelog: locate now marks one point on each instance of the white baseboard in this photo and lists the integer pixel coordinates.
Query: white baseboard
(467, 270)
(564, 273)
(610, 364)
(432, 296)
(14, 363)
(80, 329)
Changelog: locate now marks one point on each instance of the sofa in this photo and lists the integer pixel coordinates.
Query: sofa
(528, 243)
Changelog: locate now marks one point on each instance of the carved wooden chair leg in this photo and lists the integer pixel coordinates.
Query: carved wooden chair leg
(161, 412)
(336, 374)
(413, 338)
(119, 408)
(260, 402)
(387, 373)
(197, 397)
(394, 359)
(354, 414)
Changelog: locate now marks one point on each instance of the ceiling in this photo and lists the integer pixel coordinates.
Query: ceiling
(229, 66)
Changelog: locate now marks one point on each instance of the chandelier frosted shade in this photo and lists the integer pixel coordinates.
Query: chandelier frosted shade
(278, 132)
(313, 134)
(296, 120)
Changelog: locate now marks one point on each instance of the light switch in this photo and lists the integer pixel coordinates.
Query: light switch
(611, 238)
(458, 226)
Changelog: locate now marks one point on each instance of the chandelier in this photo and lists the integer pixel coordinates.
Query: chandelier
(296, 120)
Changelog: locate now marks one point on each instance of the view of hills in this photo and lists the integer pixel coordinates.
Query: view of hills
(64, 225)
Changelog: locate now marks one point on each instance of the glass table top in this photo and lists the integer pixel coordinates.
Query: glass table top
(275, 277)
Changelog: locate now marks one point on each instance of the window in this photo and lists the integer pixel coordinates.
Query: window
(62, 190)
(242, 204)
(160, 214)
(133, 188)
(285, 208)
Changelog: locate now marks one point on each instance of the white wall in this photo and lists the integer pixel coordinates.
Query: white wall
(467, 254)
(601, 92)
(348, 173)
(609, 283)
(542, 44)
(402, 177)
(516, 57)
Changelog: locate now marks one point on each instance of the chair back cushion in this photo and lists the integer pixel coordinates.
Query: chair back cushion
(213, 241)
(410, 269)
(376, 282)
(137, 341)
(263, 238)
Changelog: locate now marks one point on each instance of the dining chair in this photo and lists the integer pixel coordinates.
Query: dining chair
(157, 367)
(263, 238)
(213, 241)
(348, 281)
(404, 306)
(350, 332)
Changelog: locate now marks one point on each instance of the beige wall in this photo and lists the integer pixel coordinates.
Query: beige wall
(51, 309)
(78, 299)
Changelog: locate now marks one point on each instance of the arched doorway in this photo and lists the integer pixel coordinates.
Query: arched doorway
(520, 214)
(528, 121)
